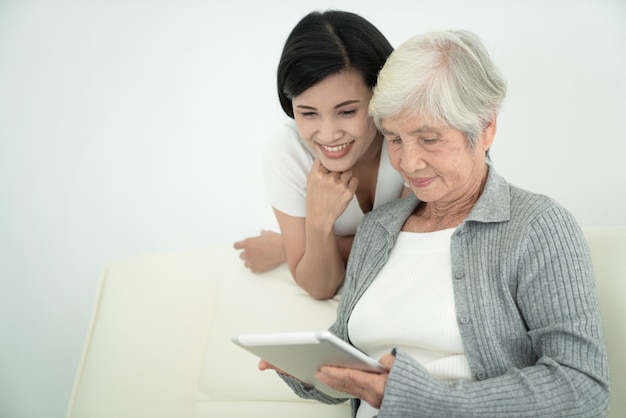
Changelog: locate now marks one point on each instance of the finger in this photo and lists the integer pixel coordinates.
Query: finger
(353, 184)
(264, 365)
(238, 245)
(317, 164)
(367, 386)
(387, 361)
(242, 255)
(345, 176)
(343, 379)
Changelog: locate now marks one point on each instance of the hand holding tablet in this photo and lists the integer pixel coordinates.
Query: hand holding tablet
(301, 354)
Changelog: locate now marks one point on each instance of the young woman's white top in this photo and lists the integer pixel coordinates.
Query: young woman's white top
(287, 162)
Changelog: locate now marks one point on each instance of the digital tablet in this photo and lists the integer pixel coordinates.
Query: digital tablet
(301, 354)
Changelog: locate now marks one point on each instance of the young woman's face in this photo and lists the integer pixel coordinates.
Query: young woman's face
(332, 119)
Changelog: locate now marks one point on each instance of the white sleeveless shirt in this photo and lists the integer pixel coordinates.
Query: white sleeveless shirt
(410, 305)
(286, 164)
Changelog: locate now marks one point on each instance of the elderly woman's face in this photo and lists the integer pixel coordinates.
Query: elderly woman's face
(437, 161)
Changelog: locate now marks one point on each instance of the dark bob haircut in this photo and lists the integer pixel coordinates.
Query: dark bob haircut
(325, 43)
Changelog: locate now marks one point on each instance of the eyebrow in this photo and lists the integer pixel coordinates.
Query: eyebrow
(347, 102)
(422, 129)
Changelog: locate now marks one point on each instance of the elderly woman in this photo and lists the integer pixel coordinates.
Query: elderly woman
(477, 296)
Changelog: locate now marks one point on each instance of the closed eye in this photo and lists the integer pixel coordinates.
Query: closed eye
(428, 140)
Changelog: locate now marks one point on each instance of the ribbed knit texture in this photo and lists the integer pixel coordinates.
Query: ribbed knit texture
(526, 305)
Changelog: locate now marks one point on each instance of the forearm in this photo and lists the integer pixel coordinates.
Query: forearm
(544, 389)
(344, 244)
(321, 269)
(307, 392)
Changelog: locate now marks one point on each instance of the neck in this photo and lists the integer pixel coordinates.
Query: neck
(435, 216)
(371, 156)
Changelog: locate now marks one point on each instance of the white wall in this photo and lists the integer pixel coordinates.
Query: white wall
(130, 127)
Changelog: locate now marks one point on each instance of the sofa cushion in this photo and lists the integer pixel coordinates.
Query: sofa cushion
(253, 303)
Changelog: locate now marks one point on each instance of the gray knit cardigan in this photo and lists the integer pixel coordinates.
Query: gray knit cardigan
(526, 306)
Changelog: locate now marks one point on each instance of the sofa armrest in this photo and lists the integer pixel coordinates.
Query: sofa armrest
(146, 340)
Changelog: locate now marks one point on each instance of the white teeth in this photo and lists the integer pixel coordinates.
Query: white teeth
(336, 148)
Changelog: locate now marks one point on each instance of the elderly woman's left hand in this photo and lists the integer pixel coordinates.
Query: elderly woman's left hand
(369, 387)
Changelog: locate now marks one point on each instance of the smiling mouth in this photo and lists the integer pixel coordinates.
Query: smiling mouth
(421, 182)
(335, 148)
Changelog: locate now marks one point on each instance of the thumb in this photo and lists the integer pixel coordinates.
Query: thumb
(387, 361)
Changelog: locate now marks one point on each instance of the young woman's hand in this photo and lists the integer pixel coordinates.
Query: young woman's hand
(262, 253)
(328, 194)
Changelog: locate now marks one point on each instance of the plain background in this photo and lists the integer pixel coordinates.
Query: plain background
(133, 127)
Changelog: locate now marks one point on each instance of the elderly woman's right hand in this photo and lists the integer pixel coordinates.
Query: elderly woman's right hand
(363, 385)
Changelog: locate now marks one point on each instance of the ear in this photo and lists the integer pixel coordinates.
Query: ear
(489, 134)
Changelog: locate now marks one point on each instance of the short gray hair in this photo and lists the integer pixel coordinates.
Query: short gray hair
(446, 77)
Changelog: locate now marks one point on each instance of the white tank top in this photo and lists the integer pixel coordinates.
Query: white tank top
(410, 305)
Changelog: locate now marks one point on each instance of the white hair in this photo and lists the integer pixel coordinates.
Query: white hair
(446, 77)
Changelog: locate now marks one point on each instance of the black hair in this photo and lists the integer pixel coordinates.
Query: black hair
(325, 43)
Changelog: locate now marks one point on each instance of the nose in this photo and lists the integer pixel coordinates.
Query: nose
(329, 131)
(411, 159)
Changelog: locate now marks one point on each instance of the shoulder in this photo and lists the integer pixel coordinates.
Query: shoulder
(285, 150)
(391, 215)
(517, 215)
(502, 201)
(286, 137)
(527, 219)
(531, 207)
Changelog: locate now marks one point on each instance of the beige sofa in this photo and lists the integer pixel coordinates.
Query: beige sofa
(159, 341)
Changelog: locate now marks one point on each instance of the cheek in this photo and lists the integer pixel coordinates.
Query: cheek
(365, 126)
(394, 156)
(305, 128)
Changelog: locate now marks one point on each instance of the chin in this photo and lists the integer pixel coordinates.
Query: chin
(337, 166)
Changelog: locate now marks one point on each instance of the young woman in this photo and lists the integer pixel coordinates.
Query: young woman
(328, 167)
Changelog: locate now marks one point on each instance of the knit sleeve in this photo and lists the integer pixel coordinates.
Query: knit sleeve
(564, 372)
(306, 392)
